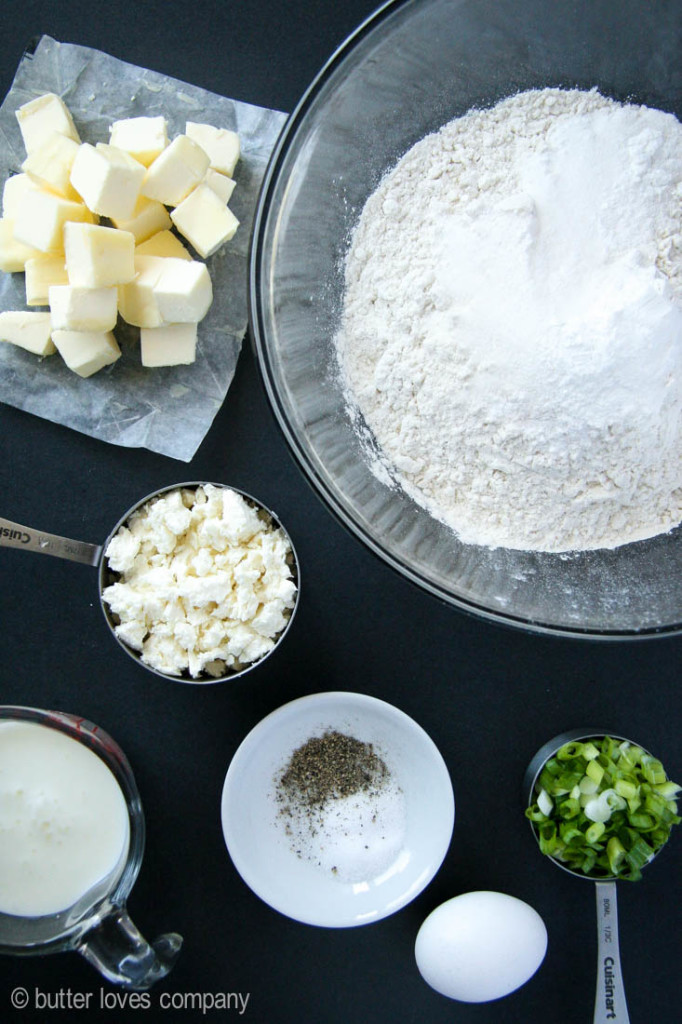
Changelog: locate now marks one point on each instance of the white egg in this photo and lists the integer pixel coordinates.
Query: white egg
(480, 946)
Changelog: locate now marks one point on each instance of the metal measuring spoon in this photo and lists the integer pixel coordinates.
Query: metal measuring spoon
(14, 535)
(609, 1002)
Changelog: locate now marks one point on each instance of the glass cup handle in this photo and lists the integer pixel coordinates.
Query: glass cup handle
(609, 1002)
(123, 956)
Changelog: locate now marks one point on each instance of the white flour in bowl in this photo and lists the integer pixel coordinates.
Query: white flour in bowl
(512, 323)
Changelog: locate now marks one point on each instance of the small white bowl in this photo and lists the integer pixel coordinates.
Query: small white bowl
(262, 852)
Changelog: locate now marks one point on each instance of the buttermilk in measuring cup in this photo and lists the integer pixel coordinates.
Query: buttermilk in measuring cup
(64, 822)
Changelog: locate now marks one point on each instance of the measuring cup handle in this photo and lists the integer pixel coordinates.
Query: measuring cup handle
(122, 955)
(13, 535)
(609, 1002)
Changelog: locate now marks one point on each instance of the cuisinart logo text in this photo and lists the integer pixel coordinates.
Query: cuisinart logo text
(609, 964)
(19, 535)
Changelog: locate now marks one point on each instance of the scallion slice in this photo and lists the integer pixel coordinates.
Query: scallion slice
(603, 807)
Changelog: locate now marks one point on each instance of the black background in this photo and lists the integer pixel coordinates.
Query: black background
(488, 695)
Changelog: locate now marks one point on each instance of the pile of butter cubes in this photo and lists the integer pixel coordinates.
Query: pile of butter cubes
(135, 265)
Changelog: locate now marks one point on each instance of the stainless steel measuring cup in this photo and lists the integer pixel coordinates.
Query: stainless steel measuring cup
(27, 538)
(97, 926)
(610, 1003)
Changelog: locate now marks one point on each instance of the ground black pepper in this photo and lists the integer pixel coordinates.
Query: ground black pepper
(337, 798)
(331, 766)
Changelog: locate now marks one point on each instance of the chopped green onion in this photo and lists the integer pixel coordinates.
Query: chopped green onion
(634, 803)
(568, 751)
(615, 802)
(668, 790)
(643, 822)
(603, 807)
(595, 831)
(615, 851)
(534, 814)
(653, 772)
(594, 771)
(545, 804)
(570, 834)
(626, 789)
(597, 809)
(568, 808)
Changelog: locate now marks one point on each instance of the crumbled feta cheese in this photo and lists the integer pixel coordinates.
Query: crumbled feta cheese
(133, 634)
(202, 562)
(270, 619)
(205, 583)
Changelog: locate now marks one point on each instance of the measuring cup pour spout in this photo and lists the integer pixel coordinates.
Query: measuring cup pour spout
(123, 956)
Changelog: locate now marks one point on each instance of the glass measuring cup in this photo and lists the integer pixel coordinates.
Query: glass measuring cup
(610, 1003)
(97, 924)
(28, 539)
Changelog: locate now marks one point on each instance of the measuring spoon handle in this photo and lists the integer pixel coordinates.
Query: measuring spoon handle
(13, 535)
(609, 1002)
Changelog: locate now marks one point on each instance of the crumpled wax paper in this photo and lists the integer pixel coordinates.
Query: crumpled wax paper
(167, 409)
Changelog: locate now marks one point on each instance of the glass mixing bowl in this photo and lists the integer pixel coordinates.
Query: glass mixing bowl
(410, 68)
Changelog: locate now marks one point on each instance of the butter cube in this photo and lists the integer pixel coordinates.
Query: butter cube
(13, 253)
(82, 309)
(31, 331)
(221, 184)
(222, 146)
(42, 272)
(183, 291)
(97, 257)
(137, 300)
(14, 189)
(169, 345)
(86, 352)
(204, 220)
(45, 114)
(148, 217)
(41, 218)
(49, 166)
(108, 179)
(175, 172)
(163, 243)
(143, 137)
